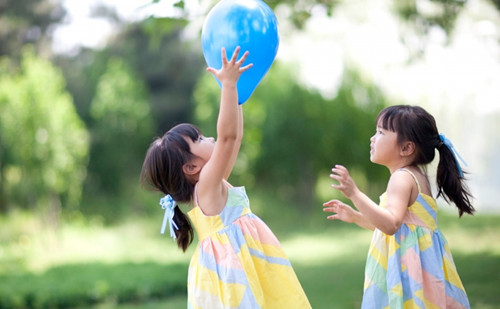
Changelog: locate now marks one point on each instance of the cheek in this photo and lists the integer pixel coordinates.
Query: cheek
(379, 147)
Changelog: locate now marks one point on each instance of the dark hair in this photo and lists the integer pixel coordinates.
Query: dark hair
(415, 124)
(162, 169)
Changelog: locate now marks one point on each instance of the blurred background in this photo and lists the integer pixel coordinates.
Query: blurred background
(85, 86)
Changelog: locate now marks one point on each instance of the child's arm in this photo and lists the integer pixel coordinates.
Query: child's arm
(237, 146)
(388, 219)
(212, 193)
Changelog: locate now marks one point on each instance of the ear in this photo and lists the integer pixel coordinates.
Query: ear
(191, 168)
(407, 149)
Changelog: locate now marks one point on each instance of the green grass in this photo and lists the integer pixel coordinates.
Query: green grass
(85, 264)
(74, 285)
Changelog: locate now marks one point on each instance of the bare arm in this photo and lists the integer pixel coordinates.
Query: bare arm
(388, 219)
(236, 150)
(212, 193)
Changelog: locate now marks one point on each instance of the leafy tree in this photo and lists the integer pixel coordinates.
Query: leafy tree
(165, 68)
(28, 22)
(43, 142)
(420, 17)
(121, 127)
(168, 66)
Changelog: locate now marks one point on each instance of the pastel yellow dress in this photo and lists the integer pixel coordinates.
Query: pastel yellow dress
(413, 268)
(239, 262)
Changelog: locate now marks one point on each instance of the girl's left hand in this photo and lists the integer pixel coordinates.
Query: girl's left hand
(346, 183)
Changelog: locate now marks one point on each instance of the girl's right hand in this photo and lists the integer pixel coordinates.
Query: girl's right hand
(232, 69)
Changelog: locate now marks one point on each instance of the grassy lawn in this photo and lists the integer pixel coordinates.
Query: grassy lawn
(85, 264)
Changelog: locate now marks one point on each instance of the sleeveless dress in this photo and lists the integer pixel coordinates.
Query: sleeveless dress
(239, 262)
(412, 268)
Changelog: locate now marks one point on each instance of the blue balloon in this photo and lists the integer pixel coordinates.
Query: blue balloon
(250, 24)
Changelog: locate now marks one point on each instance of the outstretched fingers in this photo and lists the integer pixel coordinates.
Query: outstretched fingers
(341, 211)
(242, 60)
(345, 183)
(239, 63)
(331, 206)
(233, 63)
(235, 54)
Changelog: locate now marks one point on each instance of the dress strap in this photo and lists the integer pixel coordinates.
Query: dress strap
(229, 186)
(414, 177)
(196, 204)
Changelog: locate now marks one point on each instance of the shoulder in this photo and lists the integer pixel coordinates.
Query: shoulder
(404, 185)
(401, 180)
(402, 174)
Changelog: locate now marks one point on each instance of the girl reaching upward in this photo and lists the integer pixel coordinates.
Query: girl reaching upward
(238, 262)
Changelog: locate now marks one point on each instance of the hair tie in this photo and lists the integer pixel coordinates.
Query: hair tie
(455, 153)
(168, 204)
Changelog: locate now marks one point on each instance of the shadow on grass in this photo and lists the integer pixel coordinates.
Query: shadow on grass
(70, 286)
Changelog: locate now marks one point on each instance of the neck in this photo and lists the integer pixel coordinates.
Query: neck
(399, 165)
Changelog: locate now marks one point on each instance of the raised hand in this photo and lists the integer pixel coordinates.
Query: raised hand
(232, 69)
(346, 184)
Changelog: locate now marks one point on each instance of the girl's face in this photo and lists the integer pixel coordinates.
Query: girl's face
(202, 147)
(384, 147)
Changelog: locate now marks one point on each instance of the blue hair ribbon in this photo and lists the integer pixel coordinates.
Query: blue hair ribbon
(455, 153)
(168, 204)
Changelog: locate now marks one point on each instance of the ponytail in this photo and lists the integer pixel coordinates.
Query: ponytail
(450, 178)
(184, 233)
(162, 170)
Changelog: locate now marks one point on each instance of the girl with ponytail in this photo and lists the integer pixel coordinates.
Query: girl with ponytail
(409, 263)
(238, 262)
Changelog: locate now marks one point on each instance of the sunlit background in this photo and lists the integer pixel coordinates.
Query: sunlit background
(77, 230)
(457, 79)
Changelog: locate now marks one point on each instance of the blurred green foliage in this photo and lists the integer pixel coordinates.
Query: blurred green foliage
(43, 142)
(24, 22)
(143, 82)
(120, 128)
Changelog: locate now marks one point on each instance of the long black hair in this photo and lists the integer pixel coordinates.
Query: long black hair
(415, 124)
(162, 169)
